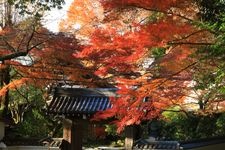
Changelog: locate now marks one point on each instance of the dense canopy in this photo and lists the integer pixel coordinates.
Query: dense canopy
(158, 53)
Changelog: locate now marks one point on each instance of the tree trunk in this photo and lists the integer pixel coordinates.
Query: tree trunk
(5, 79)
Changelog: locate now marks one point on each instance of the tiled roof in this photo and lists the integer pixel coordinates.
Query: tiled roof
(79, 101)
(194, 144)
(156, 145)
(146, 144)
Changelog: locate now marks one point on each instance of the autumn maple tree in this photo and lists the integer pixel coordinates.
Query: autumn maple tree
(163, 35)
(143, 47)
(50, 61)
(31, 55)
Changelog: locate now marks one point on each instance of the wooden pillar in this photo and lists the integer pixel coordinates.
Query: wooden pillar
(76, 135)
(129, 137)
(132, 133)
(72, 135)
(66, 143)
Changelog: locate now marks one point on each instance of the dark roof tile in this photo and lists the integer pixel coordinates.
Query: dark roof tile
(77, 101)
(156, 145)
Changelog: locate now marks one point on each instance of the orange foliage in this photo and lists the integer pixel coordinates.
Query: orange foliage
(55, 63)
(49, 62)
(117, 55)
(82, 16)
(154, 4)
(13, 85)
(116, 50)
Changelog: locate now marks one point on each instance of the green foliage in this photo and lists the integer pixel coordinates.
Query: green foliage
(155, 16)
(182, 126)
(158, 52)
(110, 129)
(220, 124)
(211, 10)
(217, 50)
(24, 99)
(23, 6)
(25, 94)
(118, 143)
(209, 84)
(210, 72)
(213, 15)
(35, 125)
(30, 120)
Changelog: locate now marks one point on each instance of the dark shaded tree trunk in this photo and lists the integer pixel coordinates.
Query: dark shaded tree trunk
(5, 79)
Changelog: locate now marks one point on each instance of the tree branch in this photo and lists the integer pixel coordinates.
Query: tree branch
(29, 40)
(161, 11)
(191, 34)
(189, 43)
(18, 54)
(178, 72)
(13, 55)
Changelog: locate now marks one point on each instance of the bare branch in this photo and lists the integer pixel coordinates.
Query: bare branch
(188, 36)
(29, 40)
(9, 45)
(18, 54)
(162, 11)
(12, 56)
(190, 43)
(176, 73)
(21, 41)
